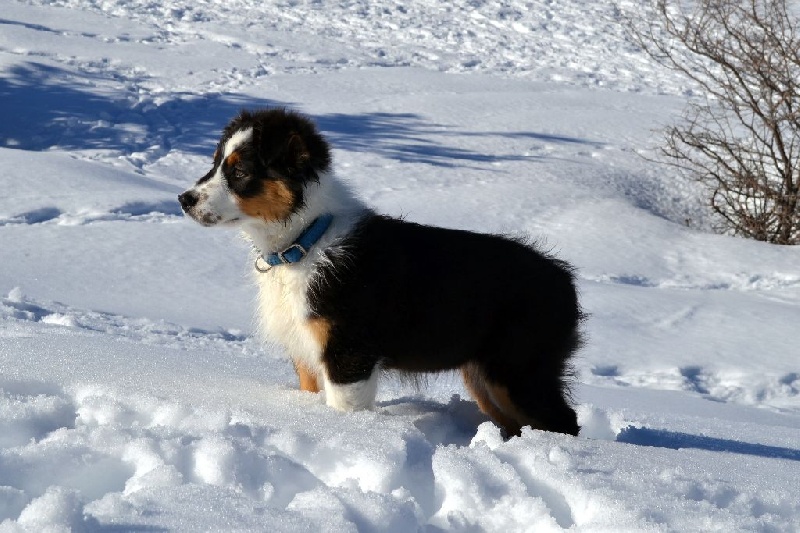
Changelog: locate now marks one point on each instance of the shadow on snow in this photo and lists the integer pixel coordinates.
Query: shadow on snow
(48, 107)
(675, 441)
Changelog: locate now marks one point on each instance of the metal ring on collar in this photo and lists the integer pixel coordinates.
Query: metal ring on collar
(261, 269)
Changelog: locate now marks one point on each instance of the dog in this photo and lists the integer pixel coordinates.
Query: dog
(350, 293)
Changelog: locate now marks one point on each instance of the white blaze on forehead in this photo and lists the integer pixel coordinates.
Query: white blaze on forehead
(236, 140)
(216, 203)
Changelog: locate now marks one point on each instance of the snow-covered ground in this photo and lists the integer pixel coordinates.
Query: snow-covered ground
(133, 396)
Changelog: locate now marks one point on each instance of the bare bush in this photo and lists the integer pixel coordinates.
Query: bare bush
(741, 137)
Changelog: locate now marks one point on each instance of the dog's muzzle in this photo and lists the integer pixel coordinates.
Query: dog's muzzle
(188, 200)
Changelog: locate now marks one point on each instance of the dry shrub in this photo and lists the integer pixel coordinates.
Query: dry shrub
(741, 137)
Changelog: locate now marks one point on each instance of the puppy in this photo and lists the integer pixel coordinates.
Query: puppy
(350, 293)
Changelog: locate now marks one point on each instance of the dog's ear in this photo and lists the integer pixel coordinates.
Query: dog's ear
(297, 154)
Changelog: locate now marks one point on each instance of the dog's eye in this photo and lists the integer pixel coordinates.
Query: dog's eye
(239, 174)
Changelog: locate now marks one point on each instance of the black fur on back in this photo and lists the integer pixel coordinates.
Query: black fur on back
(415, 298)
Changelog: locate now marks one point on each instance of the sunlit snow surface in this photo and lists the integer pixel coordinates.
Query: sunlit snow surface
(133, 396)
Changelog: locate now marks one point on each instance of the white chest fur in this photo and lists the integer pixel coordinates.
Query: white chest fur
(283, 312)
(284, 318)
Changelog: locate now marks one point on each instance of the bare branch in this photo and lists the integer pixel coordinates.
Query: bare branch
(742, 139)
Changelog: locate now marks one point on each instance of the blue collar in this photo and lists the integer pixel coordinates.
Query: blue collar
(299, 248)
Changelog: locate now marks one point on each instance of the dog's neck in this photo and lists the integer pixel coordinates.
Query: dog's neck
(327, 196)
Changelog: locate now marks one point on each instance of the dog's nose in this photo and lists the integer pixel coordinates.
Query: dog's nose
(188, 200)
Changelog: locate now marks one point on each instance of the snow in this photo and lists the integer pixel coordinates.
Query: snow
(133, 395)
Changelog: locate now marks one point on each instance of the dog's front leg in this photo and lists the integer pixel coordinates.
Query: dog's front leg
(352, 396)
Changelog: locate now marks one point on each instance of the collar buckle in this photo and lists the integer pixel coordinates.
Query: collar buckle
(296, 246)
(298, 250)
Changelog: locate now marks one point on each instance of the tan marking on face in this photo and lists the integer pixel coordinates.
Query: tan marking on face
(274, 203)
(308, 380)
(232, 159)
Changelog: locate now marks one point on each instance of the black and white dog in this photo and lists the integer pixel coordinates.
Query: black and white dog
(350, 293)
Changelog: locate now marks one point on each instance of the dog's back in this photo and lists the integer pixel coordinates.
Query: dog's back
(419, 298)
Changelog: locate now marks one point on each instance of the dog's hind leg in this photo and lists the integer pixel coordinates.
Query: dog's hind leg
(544, 393)
(544, 409)
(549, 407)
(481, 391)
(529, 375)
(522, 398)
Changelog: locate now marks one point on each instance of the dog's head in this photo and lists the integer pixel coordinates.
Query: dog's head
(262, 166)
